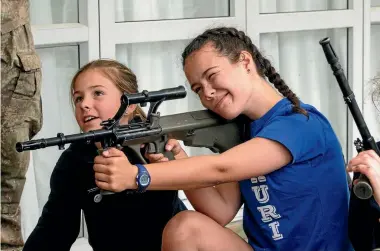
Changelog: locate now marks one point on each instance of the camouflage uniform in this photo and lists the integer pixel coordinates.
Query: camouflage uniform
(21, 112)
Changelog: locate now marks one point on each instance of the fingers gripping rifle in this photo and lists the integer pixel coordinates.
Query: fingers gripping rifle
(362, 189)
(198, 129)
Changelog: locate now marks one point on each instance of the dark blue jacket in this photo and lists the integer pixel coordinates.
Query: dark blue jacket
(120, 221)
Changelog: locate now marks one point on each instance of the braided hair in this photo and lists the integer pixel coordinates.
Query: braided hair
(230, 42)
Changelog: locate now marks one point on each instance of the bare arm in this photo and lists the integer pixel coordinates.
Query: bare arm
(253, 158)
(221, 203)
(256, 157)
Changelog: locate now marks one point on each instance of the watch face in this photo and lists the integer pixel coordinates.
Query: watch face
(144, 179)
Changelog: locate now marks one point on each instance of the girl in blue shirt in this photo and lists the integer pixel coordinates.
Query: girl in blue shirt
(290, 174)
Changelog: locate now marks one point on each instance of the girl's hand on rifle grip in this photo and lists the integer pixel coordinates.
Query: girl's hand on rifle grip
(368, 163)
(173, 146)
(113, 171)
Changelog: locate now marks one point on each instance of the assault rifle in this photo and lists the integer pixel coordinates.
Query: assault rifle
(200, 128)
(362, 189)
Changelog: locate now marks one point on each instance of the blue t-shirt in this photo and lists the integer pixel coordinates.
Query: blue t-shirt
(303, 205)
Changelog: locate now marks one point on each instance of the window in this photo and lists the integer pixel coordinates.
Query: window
(300, 61)
(273, 6)
(53, 12)
(375, 3)
(150, 71)
(371, 67)
(134, 10)
(59, 64)
(372, 111)
(305, 29)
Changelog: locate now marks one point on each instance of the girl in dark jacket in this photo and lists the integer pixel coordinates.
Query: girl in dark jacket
(120, 221)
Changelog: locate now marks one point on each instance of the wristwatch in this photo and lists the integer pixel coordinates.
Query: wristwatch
(142, 178)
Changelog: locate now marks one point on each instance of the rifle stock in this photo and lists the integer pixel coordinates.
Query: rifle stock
(197, 129)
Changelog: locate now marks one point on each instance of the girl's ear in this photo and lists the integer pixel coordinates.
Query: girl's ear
(247, 61)
(128, 114)
(131, 109)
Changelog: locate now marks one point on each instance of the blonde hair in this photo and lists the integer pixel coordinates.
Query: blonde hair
(119, 74)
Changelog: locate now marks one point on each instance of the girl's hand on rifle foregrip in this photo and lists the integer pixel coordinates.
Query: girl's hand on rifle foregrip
(368, 163)
(173, 146)
(113, 171)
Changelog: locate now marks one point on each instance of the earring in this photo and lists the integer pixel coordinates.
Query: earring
(248, 71)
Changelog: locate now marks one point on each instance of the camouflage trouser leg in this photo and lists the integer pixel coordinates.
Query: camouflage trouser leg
(21, 119)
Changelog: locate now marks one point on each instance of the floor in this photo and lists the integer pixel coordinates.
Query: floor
(237, 227)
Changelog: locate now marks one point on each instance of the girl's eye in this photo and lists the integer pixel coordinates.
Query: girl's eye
(78, 99)
(213, 75)
(197, 89)
(98, 93)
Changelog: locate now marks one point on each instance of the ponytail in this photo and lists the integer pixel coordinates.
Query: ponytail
(139, 113)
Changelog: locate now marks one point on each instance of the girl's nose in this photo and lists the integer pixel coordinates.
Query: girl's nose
(86, 104)
(209, 93)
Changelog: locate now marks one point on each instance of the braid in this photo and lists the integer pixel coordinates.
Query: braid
(227, 41)
(279, 83)
(230, 42)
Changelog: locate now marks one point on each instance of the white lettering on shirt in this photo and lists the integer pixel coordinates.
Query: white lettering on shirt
(268, 212)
